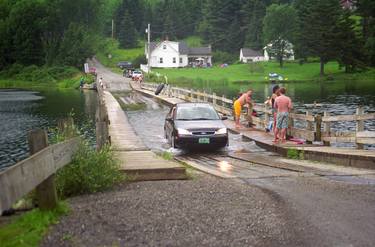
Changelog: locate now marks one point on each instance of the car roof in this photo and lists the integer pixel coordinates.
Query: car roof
(193, 104)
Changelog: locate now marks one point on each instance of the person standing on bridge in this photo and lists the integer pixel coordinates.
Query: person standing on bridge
(237, 106)
(283, 105)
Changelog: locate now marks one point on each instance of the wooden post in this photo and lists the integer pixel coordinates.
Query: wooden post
(327, 129)
(289, 131)
(249, 116)
(266, 116)
(214, 99)
(46, 191)
(204, 96)
(318, 128)
(360, 125)
(309, 126)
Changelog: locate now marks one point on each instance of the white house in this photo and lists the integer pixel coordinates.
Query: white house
(170, 54)
(249, 55)
(288, 52)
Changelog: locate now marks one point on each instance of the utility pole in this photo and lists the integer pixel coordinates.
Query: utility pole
(113, 29)
(148, 48)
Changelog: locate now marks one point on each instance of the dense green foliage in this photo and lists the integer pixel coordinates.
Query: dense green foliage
(37, 32)
(90, 171)
(29, 229)
(66, 32)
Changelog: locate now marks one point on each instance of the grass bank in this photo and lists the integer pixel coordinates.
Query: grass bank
(28, 230)
(110, 54)
(18, 76)
(258, 72)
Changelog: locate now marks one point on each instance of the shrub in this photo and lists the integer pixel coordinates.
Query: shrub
(224, 57)
(295, 154)
(89, 172)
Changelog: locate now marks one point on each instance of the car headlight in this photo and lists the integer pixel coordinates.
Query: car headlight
(183, 131)
(221, 131)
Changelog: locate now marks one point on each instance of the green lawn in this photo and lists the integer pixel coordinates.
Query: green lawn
(252, 72)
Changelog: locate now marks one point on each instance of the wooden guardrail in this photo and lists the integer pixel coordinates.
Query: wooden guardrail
(101, 121)
(37, 171)
(316, 127)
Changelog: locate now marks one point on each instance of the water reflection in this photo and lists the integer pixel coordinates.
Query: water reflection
(22, 111)
(224, 166)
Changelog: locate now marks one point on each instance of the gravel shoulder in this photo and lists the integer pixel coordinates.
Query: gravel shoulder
(204, 211)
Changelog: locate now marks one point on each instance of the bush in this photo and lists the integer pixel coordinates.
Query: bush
(224, 57)
(89, 172)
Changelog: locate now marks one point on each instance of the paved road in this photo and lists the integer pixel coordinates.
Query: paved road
(326, 205)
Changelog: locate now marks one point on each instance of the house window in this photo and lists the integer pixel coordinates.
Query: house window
(174, 60)
(161, 60)
(181, 60)
(164, 47)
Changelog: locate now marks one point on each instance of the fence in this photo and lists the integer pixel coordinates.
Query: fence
(314, 127)
(37, 171)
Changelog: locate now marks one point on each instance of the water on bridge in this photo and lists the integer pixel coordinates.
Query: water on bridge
(22, 111)
(149, 125)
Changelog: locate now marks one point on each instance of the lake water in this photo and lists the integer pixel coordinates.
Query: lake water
(23, 110)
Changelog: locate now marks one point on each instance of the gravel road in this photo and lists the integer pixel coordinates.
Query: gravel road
(204, 211)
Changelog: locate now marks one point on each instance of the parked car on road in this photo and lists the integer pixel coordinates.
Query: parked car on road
(191, 125)
(125, 65)
(136, 75)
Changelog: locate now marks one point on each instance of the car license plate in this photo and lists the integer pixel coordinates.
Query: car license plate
(204, 140)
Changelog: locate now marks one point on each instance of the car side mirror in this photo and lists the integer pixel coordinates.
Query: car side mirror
(224, 118)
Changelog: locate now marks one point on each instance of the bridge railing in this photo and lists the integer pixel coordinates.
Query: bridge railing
(306, 126)
(37, 171)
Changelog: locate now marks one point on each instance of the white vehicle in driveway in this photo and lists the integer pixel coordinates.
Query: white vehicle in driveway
(137, 75)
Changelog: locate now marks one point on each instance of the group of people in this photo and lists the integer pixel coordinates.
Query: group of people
(280, 105)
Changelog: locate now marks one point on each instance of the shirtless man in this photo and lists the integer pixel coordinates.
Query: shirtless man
(283, 104)
(241, 101)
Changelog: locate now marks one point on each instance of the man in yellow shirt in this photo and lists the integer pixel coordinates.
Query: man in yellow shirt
(239, 103)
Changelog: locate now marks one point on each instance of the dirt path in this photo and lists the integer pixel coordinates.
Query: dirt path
(204, 211)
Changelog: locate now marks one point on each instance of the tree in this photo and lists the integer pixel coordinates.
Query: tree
(26, 24)
(350, 46)
(366, 9)
(318, 32)
(279, 27)
(254, 12)
(75, 46)
(128, 34)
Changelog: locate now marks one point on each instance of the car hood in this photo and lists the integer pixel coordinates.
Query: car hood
(199, 124)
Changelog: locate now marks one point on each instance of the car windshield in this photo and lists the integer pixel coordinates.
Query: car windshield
(196, 112)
